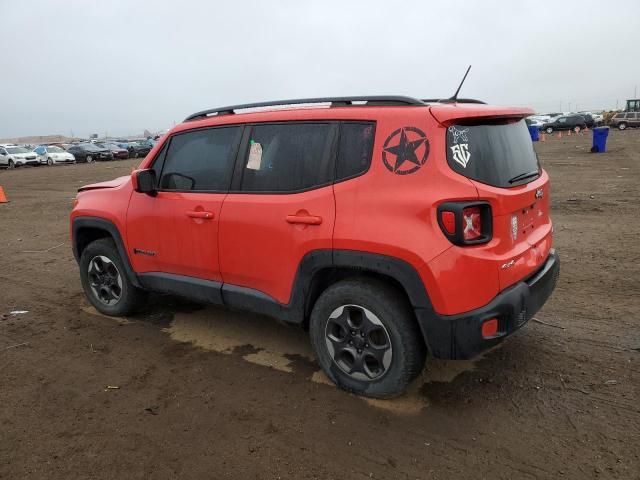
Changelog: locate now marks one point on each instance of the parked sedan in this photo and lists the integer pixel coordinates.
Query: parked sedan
(53, 155)
(14, 156)
(139, 149)
(88, 152)
(116, 150)
(565, 122)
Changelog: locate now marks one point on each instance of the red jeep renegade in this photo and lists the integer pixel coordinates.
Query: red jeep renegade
(389, 226)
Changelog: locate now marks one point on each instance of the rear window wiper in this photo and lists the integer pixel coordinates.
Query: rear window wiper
(524, 176)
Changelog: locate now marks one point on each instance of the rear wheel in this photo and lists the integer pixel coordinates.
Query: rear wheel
(576, 129)
(49, 161)
(622, 126)
(366, 338)
(549, 130)
(105, 282)
(89, 159)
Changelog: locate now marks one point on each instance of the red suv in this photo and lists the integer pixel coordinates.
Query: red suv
(388, 226)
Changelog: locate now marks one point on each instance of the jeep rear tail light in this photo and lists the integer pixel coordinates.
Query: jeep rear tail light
(466, 223)
(472, 223)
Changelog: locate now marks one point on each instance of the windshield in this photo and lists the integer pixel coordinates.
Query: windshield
(55, 150)
(91, 147)
(17, 150)
(498, 154)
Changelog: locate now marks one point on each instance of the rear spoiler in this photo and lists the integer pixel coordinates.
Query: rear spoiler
(449, 114)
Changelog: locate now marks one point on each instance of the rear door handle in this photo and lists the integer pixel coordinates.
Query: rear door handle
(200, 214)
(304, 219)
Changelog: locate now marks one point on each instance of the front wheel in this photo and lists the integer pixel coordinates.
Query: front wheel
(622, 126)
(366, 338)
(549, 130)
(11, 165)
(49, 161)
(105, 282)
(89, 159)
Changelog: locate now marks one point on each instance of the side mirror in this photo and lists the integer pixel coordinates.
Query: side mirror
(144, 181)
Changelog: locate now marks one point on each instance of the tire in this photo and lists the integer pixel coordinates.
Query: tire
(105, 282)
(576, 129)
(549, 130)
(11, 165)
(133, 155)
(50, 161)
(622, 126)
(385, 319)
(89, 159)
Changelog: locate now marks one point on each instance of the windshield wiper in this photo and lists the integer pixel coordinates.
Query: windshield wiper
(524, 176)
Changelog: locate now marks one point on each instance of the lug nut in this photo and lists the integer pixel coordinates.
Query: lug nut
(362, 334)
(353, 332)
(366, 345)
(359, 351)
(350, 342)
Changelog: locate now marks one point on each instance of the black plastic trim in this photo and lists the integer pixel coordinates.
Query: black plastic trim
(102, 224)
(197, 289)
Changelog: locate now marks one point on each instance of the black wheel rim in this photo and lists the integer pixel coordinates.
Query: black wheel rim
(105, 280)
(358, 343)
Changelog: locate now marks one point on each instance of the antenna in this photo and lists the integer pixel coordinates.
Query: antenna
(455, 95)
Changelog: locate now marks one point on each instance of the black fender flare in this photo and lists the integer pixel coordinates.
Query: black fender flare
(109, 227)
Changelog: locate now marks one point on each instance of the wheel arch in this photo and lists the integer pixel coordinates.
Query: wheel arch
(88, 229)
(319, 270)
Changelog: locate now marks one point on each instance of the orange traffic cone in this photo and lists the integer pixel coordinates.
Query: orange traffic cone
(568, 133)
(559, 134)
(543, 138)
(3, 197)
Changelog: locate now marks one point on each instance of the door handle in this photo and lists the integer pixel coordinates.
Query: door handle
(200, 214)
(304, 219)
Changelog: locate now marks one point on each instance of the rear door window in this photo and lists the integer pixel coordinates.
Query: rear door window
(200, 160)
(499, 154)
(289, 157)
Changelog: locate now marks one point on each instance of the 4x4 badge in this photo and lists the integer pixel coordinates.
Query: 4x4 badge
(411, 150)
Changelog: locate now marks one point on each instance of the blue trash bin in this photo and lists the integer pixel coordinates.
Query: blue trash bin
(534, 132)
(600, 135)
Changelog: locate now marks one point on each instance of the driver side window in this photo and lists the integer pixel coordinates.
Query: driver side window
(200, 160)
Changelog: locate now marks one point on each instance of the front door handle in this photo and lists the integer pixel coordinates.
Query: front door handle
(304, 219)
(200, 214)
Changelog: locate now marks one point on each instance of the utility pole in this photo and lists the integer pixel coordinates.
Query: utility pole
(560, 106)
(569, 106)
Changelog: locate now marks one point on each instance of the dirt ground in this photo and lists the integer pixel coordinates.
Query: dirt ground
(208, 393)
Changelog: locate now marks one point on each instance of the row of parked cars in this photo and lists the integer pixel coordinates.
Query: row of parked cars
(579, 121)
(12, 156)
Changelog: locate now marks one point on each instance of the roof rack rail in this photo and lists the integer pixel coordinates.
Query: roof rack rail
(379, 100)
(448, 100)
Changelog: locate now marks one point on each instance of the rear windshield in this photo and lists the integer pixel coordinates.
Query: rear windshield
(499, 154)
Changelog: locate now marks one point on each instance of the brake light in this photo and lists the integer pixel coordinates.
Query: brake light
(466, 223)
(472, 223)
(449, 222)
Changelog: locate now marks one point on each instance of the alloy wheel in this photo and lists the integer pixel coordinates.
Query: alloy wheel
(358, 342)
(105, 280)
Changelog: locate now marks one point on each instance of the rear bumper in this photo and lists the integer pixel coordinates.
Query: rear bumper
(460, 336)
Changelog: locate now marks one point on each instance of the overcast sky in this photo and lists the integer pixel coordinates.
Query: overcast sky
(120, 66)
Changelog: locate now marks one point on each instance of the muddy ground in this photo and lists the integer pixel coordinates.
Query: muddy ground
(207, 393)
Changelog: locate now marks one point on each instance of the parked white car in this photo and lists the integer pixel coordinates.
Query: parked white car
(52, 155)
(12, 156)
